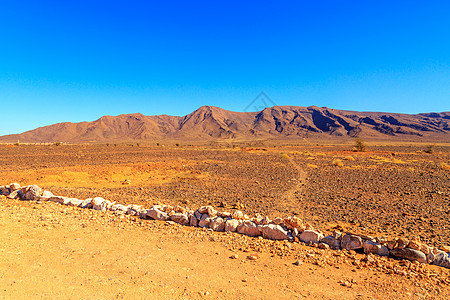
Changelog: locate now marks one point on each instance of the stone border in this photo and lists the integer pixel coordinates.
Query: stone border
(291, 228)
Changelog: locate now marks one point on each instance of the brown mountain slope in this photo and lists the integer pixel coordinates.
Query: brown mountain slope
(209, 122)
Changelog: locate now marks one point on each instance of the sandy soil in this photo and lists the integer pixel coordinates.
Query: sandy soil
(51, 251)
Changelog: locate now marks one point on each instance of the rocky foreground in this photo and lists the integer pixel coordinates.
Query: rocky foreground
(289, 229)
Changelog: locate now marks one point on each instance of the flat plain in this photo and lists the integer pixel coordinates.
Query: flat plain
(389, 190)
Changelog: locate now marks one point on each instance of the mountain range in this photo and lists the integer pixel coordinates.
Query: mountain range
(278, 122)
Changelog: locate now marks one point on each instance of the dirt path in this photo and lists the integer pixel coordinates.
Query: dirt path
(291, 199)
(57, 252)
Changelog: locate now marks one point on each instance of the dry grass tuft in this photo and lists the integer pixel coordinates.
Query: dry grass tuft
(337, 162)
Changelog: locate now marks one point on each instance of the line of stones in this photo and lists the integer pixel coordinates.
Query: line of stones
(291, 228)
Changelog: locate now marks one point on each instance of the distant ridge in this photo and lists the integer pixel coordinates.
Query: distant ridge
(209, 123)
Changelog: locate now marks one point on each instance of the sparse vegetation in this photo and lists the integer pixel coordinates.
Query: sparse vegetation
(360, 145)
(429, 149)
(337, 162)
(284, 155)
(57, 144)
(349, 157)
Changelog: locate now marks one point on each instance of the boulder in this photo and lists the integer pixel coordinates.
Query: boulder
(293, 222)
(204, 221)
(351, 242)
(217, 224)
(57, 199)
(308, 236)
(98, 203)
(224, 214)
(209, 210)
(5, 190)
(17, 194)
(332, 242)
(156, 214)
(274, 232)
(193, 220)
(119, 207)
(441, 259)
(410, 254)
(248, 228)
(277, 221)
(14, 186)
(75, 202)
(375, 248)
(238, 215)
(180, 218)
(32, 192)
(86, 203)
(134, 210)
(231, 225)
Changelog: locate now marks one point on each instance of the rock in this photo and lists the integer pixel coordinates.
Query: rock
(277, 221)
(323, 246)
(293, 223)
(209, 210)
(47, 194)
(156, 214)
(32, 191)
(274, 232)
(193, 220)
(351, 242)
(375, 248)
(425, 249)
(98, 203)
(231, 225)
(392, 244)
(441, 259)
(224, 214)
(119, 207)
(204, 221)
(75, 202)
(298, 262)
(238, 215)
(134, 210)
(410, 254)
(17, 194)
(310, 236)
(332, 242)
(57, 199)
(14, 186)
(180, 218)
(5, 190)
(86, 203)
(402, 243)
(248, 228)
(217, 224)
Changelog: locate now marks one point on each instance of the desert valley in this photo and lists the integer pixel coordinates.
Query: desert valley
(287, 171)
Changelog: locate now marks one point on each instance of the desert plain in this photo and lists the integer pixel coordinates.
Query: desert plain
(54, 251)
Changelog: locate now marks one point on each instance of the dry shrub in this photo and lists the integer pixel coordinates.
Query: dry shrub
(337, 162)
(360, 145)
(312, 166)
(284, 155)
(349, 157)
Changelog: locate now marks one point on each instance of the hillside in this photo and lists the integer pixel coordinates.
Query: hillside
(210, 122)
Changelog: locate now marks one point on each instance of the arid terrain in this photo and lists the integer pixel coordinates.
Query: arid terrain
(54, 251)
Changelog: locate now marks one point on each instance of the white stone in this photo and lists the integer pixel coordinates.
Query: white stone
(156, 214)
(310, 236)
(274, 232)
(231, 225)
(249, 228)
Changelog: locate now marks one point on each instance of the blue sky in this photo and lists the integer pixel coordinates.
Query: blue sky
(79, 60)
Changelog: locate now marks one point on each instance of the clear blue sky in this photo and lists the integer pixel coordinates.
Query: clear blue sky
(79, 60)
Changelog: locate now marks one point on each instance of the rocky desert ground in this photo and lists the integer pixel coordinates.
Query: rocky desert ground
(55, 251)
